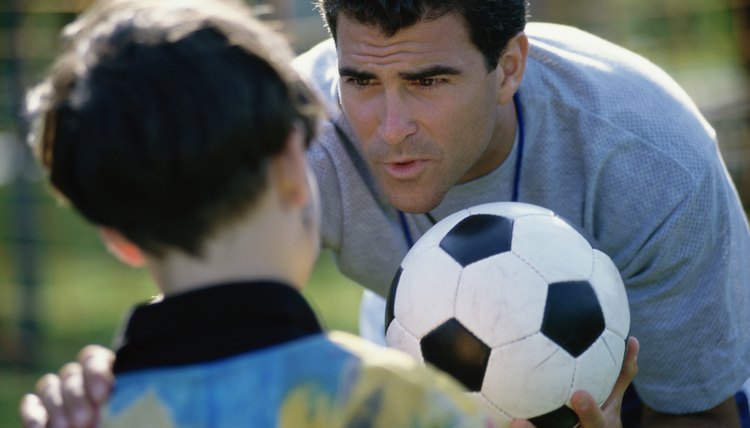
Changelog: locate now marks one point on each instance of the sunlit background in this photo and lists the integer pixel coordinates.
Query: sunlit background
(59, 289)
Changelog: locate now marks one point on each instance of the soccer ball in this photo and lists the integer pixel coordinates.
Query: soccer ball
(517, 305)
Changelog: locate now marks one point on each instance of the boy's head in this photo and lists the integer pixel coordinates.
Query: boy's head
(160, 117)
(490, 23)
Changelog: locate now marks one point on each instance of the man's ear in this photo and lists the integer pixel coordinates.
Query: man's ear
(511, 67)
(121, 247)
(290, 171)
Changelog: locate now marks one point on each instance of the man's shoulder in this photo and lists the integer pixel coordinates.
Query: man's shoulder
(566, 38)
(319, 68)
(316, 61)
(583, 56)
(573, 72)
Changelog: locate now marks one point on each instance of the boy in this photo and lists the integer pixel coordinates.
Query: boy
(179, 129)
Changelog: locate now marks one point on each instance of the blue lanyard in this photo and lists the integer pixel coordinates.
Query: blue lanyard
(516, 176)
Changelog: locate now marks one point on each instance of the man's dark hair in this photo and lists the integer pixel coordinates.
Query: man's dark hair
(490, 23)
(159, 121)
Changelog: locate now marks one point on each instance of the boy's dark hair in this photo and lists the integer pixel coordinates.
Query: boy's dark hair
(490, 23)
(159, 118)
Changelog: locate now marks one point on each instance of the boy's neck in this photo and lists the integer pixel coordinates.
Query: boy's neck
(261, 245)
(182, 272)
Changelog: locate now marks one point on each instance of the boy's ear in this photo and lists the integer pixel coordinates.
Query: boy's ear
(290, 170)
(122, 248)
(511, 67)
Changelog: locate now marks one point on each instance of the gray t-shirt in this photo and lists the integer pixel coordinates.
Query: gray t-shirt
(614, 145)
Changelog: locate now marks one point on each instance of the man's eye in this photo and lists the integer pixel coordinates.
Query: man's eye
(427, 81)
(359, 81)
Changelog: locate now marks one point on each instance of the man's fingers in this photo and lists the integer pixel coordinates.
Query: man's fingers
(50, 394)
(627, 373)
(75, 402)
(97, 372)
(588, 410)
(33, 413)
(71, 398)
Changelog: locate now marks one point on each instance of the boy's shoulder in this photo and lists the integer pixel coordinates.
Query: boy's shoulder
(332, 380)
(408, 390)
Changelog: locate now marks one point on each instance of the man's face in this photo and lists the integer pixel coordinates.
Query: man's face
(423, 107)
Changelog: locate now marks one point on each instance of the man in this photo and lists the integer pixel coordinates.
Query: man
(452, 104)
(447, 104)
(143, 98)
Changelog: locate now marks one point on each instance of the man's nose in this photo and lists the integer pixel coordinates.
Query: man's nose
(396, 118)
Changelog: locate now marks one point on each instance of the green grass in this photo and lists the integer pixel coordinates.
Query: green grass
(83, 294)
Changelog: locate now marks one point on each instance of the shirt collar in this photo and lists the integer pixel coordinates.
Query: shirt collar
(213, 323)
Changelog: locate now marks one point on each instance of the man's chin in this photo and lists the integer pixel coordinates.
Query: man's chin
(414, 204)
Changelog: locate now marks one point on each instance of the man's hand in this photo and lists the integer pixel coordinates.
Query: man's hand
(589, 413)
(71, 398)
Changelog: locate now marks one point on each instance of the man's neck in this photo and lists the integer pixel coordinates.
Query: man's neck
(500, 149)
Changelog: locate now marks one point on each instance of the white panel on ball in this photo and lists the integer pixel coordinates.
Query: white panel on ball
(504, 418)
(498, 299)
(401, 339)
(616, 346)
(610, 290)
(530, 377)
(596, 370)
(554, 248)
(511, 210)
(426, 291)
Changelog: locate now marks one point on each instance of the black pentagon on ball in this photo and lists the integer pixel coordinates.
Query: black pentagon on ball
(452, 348)
(564, 417)
(477, 237)
(573, 318)
(390, 303)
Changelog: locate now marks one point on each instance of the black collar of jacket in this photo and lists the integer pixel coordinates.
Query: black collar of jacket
(212, 323)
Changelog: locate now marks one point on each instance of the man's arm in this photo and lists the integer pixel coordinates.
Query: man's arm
(725, 414)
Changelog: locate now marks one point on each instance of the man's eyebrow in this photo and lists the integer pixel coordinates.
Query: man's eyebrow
(356, 74)
(436, 70)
